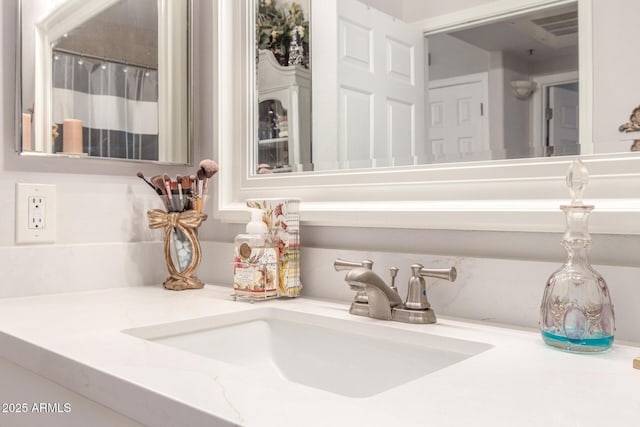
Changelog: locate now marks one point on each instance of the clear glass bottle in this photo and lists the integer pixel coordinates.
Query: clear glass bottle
(576, 312)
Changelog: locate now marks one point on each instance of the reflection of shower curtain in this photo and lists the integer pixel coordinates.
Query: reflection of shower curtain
(117, 103)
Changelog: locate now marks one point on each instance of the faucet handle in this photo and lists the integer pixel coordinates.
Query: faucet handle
(417, 293)
(393, 271)
(342, 264)
(449, 274)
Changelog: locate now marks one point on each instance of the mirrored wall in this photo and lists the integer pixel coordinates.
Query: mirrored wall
(105, 79)
(384, 94)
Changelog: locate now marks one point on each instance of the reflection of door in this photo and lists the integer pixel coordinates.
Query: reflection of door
(457, 119)
(563, 120)
(380, 87)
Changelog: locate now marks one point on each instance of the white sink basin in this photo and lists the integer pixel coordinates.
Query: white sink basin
(346, 357)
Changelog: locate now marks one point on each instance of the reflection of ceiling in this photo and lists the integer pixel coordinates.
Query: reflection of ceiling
(126, 32)
(536, 31)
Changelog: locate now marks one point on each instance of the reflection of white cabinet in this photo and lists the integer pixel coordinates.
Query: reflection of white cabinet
(284, 96)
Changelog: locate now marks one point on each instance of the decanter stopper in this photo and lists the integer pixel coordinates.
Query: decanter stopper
(577, 180)
(576, 313)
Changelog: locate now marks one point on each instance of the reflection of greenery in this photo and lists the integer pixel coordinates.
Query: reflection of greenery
(274, 25)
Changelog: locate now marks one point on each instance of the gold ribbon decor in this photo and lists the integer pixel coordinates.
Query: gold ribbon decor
(187, 222)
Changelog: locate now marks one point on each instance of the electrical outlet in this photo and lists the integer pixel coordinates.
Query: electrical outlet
(35, 213)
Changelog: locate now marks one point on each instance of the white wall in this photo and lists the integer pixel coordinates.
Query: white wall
(517, 112)
(102, 234)
(324, 98)
(452, 57)
(615, 71)
(558, 65)
(393, 8)
(416, 10)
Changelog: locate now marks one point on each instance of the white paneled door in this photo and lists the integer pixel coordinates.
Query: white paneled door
(380, 89)
(457, 119)
(563, 124)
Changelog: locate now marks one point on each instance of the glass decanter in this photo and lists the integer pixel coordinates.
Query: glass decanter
(576, 312)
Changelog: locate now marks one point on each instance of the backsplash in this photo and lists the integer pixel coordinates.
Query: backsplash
(37, 270)
(487, 289)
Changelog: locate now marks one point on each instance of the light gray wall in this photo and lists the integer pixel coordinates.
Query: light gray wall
(517, 114)
(561, 64)
(452, 57)
(416, 10)
(393, 8)
(615, 70)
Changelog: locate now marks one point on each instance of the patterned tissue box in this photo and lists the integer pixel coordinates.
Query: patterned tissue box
(282, 219)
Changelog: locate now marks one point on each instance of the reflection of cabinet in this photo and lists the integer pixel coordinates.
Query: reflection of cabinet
(284, 114)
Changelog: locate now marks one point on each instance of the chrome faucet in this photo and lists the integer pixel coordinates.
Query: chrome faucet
(382, 301)
(381, 298)
(360, 305)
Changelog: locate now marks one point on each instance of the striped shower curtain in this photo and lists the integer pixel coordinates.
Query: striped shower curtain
(117, 103)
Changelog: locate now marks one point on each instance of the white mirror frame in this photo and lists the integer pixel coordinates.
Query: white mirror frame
(504, 195)
(172, 59)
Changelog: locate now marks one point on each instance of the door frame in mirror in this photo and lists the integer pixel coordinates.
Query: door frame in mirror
(173, 112)
(503, 195)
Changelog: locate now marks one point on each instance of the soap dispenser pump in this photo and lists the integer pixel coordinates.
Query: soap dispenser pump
(576, 313)
(255, 273)
(256, 225)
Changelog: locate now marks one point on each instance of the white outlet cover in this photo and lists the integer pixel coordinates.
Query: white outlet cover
(24, 234)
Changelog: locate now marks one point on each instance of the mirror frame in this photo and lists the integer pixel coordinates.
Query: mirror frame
(174, 112)
(502, 195)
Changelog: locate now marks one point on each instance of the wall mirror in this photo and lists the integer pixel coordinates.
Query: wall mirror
(105, 79)
(388, 95)
(511, 180)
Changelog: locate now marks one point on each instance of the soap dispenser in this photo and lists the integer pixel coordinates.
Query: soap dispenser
(255, 273)
(576, 313)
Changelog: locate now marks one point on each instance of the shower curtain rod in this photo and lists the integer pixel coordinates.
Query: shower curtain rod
(102, 58)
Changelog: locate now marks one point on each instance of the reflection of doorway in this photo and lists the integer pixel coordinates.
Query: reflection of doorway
(458, 119)
(562, 120)
(544, 144)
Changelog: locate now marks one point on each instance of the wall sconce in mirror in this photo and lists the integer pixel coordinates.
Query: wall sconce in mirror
(523, 89)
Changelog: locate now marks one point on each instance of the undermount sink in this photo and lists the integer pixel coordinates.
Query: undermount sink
(345, 357)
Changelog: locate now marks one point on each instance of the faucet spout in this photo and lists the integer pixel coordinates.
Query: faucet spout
(381, 297)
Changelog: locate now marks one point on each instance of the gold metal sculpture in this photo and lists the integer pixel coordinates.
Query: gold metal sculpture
(633, 125)
(184, 223)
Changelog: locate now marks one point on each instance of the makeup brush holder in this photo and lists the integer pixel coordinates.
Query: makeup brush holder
(181, 240)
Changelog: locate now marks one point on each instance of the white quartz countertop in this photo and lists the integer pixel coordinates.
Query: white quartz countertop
(76, 340)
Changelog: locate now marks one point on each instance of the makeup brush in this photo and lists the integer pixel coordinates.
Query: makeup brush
(186, 185)
(167, 185)
(209, 168)
(158, 183)
(198, 190)
(179, 181)
(156, 189)
(200, 176)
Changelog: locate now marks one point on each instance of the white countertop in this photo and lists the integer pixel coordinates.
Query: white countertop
(75, 340)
